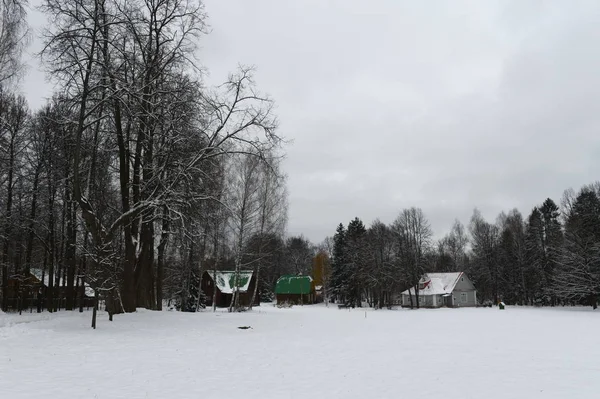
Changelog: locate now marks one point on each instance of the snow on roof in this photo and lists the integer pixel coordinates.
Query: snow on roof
(37, 273)
(226, 280)
(437, 284)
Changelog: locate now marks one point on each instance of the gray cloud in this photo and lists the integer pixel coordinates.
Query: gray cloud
(443, 105)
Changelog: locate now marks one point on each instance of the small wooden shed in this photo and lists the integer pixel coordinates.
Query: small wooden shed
(295, 290)
(225, 286)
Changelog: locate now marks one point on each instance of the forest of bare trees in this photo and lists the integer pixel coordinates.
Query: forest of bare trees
(135, 177)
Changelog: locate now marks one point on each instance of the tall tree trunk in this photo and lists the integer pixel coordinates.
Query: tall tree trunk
(235, 297)
(185, 289)
(32, 215)
(215, 267)
(145, 271)
(8, 221)
(145, 268)
(82, 272)
(50, 271)
(51, 241)
(129, 290)
(71, 261)
(95, 311)
(162, 246)
(200, 266)
(256, 283)
(59, 262)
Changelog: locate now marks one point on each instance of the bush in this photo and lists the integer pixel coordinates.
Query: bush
(266, 296)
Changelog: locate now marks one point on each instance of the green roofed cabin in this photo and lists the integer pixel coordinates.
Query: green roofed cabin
(295, 290)
(225, 286)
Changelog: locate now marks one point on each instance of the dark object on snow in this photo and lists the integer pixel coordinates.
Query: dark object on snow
(501, 305)
(488, 304)
(244, 327)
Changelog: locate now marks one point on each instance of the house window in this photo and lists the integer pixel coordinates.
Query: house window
(463, 297)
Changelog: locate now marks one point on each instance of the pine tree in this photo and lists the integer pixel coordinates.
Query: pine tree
(553, 237)
(356, 257)
(512, 258)
(338, 265)
(578, 272)
(535, 249)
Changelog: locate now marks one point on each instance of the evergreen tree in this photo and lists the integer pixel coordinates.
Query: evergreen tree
(578, 274)
(512, 258)
(339, 278)
(536, 257)
(356, 250)
(553, 237)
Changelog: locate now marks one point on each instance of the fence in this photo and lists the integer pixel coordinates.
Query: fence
(18, 304)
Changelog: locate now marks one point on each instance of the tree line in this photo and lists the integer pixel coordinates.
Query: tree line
(135, 176)
(551, 257)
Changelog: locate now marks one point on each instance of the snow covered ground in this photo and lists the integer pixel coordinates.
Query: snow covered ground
(304, 352)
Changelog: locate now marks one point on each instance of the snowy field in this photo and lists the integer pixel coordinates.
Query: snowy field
(304, 352)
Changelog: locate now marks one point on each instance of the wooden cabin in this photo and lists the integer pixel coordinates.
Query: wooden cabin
(31, 291)
(224, 283)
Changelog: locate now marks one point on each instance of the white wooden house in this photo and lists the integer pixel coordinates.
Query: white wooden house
(442, 289)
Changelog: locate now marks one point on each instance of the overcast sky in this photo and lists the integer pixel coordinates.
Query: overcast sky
(444, 105)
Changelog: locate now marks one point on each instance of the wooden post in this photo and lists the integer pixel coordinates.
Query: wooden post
(95, 311)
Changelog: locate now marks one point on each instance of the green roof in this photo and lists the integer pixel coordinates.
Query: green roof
(293, 285)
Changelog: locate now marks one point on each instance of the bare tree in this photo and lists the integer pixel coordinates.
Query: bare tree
(13, 119)
(325, 252)
(485, 238)
(244, 204)
(299, 255)
(128, 70)
(382, 276)
(457, 242)
(272, 214)
(14, 35)
(413, 234)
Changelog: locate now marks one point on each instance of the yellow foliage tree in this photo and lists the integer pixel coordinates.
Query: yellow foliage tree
(321, 271)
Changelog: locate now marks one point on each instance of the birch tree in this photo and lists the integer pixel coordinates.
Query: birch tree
(272, 215)
(244, 206)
